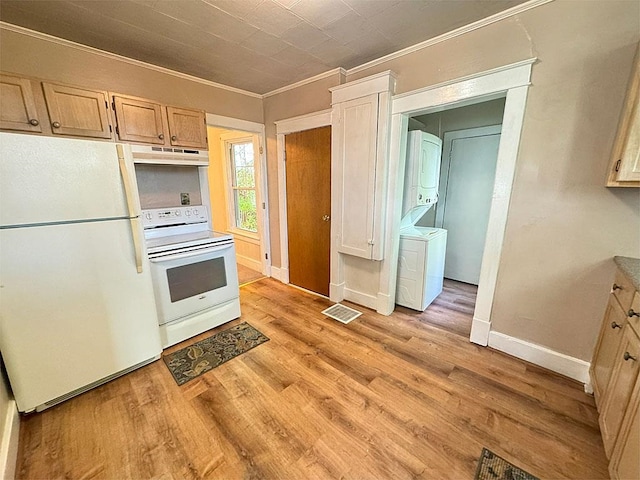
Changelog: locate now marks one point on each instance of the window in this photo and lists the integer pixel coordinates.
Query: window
(243, 186)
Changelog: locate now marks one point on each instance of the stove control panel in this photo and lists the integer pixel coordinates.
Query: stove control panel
(164, 217)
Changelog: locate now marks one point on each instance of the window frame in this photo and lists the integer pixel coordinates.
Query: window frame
(231, 189)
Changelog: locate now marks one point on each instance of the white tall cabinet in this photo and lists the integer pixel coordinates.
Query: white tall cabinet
(361, 114)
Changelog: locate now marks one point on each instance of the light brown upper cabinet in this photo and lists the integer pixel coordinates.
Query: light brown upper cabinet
(138, 120)
(187, 127)
(625, 157)
(18, 105)
(77, 111)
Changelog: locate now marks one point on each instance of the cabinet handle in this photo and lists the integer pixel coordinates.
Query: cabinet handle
(616, 287)
(326, 218)
(174, 138)
(34, 122)
(615, 325)
(161, 136)
(55, 124)
(632, 313)
(626, 357)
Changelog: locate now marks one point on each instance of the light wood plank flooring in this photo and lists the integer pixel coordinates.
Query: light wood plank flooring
(382, 397)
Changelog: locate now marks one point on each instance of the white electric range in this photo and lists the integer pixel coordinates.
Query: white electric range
(194, 272)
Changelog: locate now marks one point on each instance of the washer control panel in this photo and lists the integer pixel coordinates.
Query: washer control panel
(164, 217)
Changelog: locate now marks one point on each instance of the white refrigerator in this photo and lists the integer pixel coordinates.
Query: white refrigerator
(76, 300)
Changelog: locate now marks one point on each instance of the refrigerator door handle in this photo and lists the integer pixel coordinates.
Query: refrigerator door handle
(131, 196)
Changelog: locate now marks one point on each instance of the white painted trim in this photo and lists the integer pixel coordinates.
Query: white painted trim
(558, 362)
(115, 56)
(249, 262)
(458, 91)
(304, 122)
(480, 330)
(9, 441)
(257, 129)
(336, 292)
(512, 121)
(281, 274)
(283, 127)
(518, 9)
(379, 83)
(481, 86)
(306, 81)
(231, 123)
(360, 298)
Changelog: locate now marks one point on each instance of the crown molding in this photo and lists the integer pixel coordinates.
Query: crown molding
(306, 81)
(115, 56)
(523, 7)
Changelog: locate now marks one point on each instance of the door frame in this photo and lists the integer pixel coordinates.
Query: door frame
(257, 129)
(283, 127)
(510, 81)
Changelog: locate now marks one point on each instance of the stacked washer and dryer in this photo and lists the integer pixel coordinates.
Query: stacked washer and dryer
(422, 249)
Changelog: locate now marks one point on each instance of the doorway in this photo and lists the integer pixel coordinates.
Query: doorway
(308, 182)
(236, 197)
(467, 175)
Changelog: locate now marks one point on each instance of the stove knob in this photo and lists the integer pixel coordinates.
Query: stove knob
(148, 215)
(187, 213)
(178, 213)
(195, 212)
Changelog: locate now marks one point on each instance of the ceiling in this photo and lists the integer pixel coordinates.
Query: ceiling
(254, 45)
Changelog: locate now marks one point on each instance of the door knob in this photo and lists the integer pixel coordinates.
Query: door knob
(326, 218)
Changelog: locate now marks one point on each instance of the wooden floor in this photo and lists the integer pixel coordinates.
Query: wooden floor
(396, 397)
(247, 275)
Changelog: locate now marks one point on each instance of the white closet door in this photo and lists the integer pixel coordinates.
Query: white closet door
(466, 187)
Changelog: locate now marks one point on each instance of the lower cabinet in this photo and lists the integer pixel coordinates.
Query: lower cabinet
(615, 376)
(625, 460)
(621, 384)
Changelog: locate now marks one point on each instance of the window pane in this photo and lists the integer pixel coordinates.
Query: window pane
(246, 215)
(242, 165)
(245, 177)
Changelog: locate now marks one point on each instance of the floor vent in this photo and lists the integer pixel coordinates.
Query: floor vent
(341, 313)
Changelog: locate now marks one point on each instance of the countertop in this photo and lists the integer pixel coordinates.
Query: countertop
(631, 268)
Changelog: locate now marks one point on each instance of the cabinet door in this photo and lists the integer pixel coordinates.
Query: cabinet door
(623, 379)
(138, 120)
(354, 148)
(625, 461)
(76, 111)
(605, 353)
(18, 106)
(187, 127)
(625, 157)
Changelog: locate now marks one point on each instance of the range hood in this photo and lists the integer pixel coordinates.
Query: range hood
(169, 155)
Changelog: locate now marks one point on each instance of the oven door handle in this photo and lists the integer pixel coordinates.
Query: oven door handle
(192, 253)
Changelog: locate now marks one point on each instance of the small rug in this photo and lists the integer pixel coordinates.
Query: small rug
(493, 467)
(194, 360)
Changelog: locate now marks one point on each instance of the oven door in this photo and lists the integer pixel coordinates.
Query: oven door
(193, 279)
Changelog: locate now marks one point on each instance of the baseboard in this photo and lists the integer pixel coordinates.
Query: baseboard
(385, 304)
(336, 292)
(480, 330)
(9, 442)
(558, 362)
(280, 273)
(248, 262)
(360, 298)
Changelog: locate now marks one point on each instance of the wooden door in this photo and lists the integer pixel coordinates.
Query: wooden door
(467, 176)
(187, 127)
(77, 111)
(18, 106)
(308, 167)
(139, 120)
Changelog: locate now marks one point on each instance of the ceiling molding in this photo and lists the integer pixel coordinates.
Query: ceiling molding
(523, 7)
(306, 81)
(115, 56)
